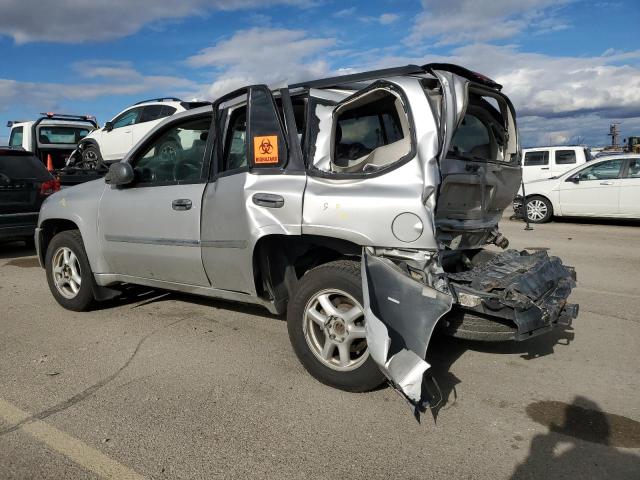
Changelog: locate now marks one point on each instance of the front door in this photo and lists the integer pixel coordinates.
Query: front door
(151, 229)
(116, 143)
(593, 191)
(255, 190)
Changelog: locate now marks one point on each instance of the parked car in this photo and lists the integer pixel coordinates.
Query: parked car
(547, 162)
(24, 184)
(118, 135)
(330, 200)
(52, 134)
(608, 187)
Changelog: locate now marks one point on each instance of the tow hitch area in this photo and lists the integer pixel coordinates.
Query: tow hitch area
(401, 314)
(530, 289)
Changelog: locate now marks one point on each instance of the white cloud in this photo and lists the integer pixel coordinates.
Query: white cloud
(387, 18)
(103, 79)
(264, 55)
(70, 21)
(463, 21)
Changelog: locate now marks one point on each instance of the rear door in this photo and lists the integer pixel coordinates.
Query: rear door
(593, 191)
(256, 189)
(630, 189)
(535, 165)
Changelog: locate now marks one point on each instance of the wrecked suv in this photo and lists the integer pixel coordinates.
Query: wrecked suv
(360, 205)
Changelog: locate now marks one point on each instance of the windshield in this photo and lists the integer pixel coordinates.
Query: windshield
(55, 135)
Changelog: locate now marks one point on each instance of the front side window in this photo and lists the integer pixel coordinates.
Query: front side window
(127, 118)
(565, 157)
(608, 170)
(16, 137)
(634, 168)
(176, 156)
(536, 158)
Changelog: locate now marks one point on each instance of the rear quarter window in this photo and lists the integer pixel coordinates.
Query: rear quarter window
(565, 157)
(15, 140)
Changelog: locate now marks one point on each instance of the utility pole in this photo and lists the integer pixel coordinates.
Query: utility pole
(614, 133)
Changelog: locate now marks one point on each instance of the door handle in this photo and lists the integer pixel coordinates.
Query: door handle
(544, 168)
(181, 204)
(269, 200)
(606, 183)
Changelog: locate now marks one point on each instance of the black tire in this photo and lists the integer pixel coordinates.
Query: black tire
(475, 326)
(540, 202)
(83, 299)
(91, 157)
(343, 275)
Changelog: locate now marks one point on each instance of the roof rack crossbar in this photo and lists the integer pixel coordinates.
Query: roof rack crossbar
(359, 77)
(160, 99)
(61, 116)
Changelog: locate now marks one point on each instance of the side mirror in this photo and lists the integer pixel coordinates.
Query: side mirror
(575, 179)
(108, 127)
(119, 173)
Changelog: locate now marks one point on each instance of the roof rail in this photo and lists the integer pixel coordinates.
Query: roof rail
(63, 116)
(161, 99)
(359, 77)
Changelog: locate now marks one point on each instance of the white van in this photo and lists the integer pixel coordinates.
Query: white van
(547, 162)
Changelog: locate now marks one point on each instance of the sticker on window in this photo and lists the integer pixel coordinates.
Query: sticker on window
(265, 149)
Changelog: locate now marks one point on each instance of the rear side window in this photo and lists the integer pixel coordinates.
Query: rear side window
(634, 168)
(23, 167)
(16, 137)
(371, 132)
(150, 113)
(167, 111)
(472, 136)
(565, 157)
(536, 158)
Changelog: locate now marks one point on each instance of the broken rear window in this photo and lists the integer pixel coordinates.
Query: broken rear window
(483, 133)
(371, 132)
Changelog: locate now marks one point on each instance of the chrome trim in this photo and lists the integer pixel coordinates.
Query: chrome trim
(173, 242)
(11, 215)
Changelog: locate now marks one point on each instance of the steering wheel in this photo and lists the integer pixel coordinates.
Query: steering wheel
(183, 170)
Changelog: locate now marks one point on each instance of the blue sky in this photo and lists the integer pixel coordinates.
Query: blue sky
(571, 67)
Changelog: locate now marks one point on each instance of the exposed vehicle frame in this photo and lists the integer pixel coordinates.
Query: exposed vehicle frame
(368, 235)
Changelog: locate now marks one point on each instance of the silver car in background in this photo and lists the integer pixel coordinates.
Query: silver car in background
(359, 205)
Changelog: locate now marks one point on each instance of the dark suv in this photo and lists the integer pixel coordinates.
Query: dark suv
(24, 184)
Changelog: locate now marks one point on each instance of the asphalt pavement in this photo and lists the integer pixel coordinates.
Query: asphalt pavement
(160, 385)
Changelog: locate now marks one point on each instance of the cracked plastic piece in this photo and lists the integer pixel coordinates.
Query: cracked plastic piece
(534, 286)
(401, 314)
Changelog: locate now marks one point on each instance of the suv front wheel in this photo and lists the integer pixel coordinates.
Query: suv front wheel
(68, 271)
(326, 326)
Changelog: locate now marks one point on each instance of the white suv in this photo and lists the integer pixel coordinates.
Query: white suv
(547, 162)
(125, 130)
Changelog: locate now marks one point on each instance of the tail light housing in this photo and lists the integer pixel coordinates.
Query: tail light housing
(49, 187)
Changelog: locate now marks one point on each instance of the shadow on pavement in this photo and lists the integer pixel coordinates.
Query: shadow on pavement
(580, 443)
(445, 351)
(15, 250)
(620, 222)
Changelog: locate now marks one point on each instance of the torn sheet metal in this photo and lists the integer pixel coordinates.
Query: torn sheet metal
(534, 285)
(400, 314)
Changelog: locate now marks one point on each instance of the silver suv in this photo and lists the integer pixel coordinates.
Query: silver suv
(359, 205)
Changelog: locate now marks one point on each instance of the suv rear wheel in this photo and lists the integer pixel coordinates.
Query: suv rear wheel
(326, 326)
(68, 271)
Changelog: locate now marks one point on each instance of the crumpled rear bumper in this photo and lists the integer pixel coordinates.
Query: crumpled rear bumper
(530, 289)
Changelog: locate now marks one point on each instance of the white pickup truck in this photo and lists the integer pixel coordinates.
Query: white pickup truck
(546, 162)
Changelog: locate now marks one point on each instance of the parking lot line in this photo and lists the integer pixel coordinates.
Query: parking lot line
(71, 447)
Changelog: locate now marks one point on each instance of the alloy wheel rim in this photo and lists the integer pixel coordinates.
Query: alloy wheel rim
(334, 329)
(66, 272)
(536, 210)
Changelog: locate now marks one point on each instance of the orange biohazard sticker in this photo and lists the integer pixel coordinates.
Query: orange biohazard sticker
(265, 149)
